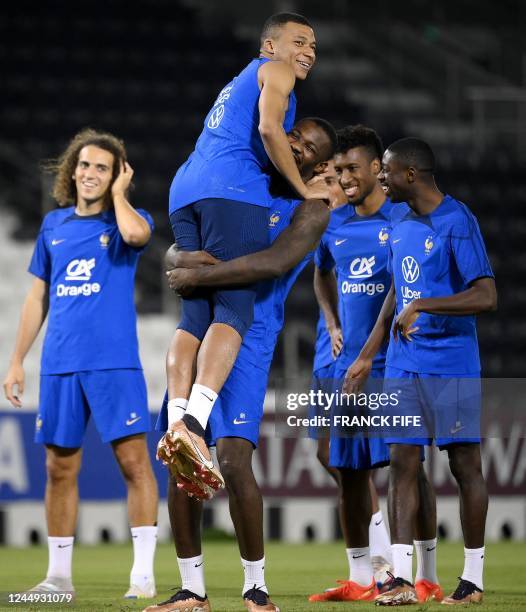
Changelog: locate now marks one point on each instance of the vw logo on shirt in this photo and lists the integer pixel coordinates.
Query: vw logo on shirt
(410, 269)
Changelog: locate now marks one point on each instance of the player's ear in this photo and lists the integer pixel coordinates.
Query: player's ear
(411, 174)
(320, 168)
(376, 166)
(268, 46)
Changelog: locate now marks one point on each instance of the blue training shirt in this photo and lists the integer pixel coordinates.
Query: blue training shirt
(357, 247)
(90, 271)
(269, 310)
(229, 160)
(436, 255)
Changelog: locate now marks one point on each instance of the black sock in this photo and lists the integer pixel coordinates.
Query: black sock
(193, 425)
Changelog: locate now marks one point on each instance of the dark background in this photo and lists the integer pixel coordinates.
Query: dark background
(148, 71)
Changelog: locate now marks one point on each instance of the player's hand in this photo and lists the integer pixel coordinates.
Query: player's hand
(182, 280)
(15, 378)
(336, 337)
(357, 375)
(317, 189)
(122, 182)
(188, 259)
(405, 322)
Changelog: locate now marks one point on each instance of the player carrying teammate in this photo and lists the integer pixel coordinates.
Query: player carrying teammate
(441, 279)
(356, 246)
(294, 229)
(84, 266)
(219, 202)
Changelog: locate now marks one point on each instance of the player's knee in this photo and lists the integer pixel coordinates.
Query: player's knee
(62, 469)
(234, 470)
(135, 469)
(465, 463)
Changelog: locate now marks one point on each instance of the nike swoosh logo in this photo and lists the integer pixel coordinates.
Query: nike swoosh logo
(64, 545)
(430, 549)
(203, 459)
(338, 242)
(199, 564)
(379, 522)
(55, 242)
(208, 398)
(358, 556)
(409, 554)
(397, 240)
(238, 422)
(132, 421)
(455, 430)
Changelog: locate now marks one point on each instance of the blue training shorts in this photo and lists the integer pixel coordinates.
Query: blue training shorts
(357, 452)
(448, 405)
(238, 410)
(226, 229)
(116, 399)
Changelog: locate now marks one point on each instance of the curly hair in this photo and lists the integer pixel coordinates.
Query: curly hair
(353, 136)
(64, 188)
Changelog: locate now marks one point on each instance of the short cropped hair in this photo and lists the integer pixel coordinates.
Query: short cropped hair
(327, 128)
(414, 152)
(352, 136)
(64, 189)
(279, 20)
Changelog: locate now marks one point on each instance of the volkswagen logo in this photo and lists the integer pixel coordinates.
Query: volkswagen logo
(215, 118)
(410, 269)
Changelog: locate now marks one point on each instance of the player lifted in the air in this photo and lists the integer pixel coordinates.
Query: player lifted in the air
(219, 201)
(294, 229)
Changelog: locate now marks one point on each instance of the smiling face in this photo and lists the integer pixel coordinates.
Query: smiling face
(357, 173)
(93, 174)
(337, 195)
(295, 45)
(394, 178)
(310, 146)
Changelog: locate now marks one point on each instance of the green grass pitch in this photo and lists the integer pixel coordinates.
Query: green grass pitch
(293, 572)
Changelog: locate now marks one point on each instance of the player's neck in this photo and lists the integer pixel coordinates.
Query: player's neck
(85, 209)
(372, 203)
(426, 201)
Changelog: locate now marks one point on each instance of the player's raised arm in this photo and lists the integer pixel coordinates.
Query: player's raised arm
(133, 227)
(277, 81)
(289, 248)
(33, 314)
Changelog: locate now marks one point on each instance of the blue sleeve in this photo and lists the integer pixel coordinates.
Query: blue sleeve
(40, 264)
(323, 257)
(389, 259)
(469, 250)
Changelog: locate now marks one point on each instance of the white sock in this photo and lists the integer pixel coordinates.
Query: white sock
(254, 575)
(403, 561)
(192, 574)
(426, 560)
(360, 568)
(474, 565)
(200, 404)
(379, 541)
(60, 554)
(176, 409)
(144, 542)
